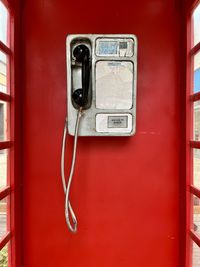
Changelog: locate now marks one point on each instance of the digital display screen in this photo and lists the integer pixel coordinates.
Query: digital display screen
(108, 47)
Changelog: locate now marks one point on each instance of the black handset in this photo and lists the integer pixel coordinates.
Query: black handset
(82, 55)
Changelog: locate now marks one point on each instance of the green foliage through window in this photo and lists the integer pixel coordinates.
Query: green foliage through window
(4, 257)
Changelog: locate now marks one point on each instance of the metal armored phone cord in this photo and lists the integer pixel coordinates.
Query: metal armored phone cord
(68, 208)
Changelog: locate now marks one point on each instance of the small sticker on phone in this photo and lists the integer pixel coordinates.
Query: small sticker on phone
(117, 121)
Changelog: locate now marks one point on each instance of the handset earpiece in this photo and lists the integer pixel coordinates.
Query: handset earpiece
(80, 51)
(81, 54)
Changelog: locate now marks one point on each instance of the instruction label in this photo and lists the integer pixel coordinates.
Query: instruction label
(117, 121)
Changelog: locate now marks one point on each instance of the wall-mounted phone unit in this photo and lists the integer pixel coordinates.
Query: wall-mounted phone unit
(101, 78)
(101, 93)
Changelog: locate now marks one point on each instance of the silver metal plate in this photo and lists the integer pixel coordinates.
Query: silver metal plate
(114, 123)
(108, 96)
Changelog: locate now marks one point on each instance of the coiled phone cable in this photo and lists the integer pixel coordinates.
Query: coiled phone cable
(68, 208)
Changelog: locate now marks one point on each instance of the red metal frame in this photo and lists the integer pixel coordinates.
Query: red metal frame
(5, 145)
(195, 144)
(190, 144)
(5, 240)
(195, 97)
(5, 97)
(4, 48)
(13, 190)
(195, 237)
(189, 116)
(15, 134)
(5, 192)
(195, 49)
(195, 191)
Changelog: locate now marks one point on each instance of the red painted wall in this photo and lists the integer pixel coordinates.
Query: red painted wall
(125, 190)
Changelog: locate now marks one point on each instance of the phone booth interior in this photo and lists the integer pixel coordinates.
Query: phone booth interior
(126, 189)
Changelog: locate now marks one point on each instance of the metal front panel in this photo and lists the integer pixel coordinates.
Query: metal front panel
(115, 55)
(114, 84)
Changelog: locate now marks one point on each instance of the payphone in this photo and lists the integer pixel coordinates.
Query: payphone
(101, 93)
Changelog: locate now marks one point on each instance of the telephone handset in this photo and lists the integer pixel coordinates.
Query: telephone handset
(101, 84)
(81, 54)
(80, 99)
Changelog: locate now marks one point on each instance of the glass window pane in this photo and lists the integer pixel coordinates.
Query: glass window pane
(196, 20)
(195, 255)
(196, 118)
(3, 168)
(3, 217)
(3, 23)
(3, 121)
(196, 168)
(196, 215)
(4, 256)
(3, 72)
(197, 72)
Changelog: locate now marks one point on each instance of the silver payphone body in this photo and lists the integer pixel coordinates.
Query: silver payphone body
(101, 94)
(111, 110)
